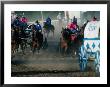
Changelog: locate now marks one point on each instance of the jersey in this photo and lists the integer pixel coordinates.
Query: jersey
(16, 22)
(48, 21)
(71, 26)
(38, 27)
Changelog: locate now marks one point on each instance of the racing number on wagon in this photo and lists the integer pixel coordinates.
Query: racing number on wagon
(92, 27)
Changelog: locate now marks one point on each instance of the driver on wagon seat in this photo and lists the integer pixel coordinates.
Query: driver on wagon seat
(73, 25)
(38, 26)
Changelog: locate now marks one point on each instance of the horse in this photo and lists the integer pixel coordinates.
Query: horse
(82, 28)
(79, 38)
(45, 44)
(13, 42)
(48, 28)
(14, 39)
(37, 40)
(22, 39)
(67, 40)
(63, 46)
(64, 40)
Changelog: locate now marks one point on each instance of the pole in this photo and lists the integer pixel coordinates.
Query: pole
(42, 17)
(67, 16)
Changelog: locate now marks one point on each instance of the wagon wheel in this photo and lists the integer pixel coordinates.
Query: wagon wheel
(83, 65)
(82, 59)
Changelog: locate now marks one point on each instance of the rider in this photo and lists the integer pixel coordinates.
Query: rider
(38, 26)
(23, 21)
(48, 21)
(16, 22)
(73, 25)
(75, 20)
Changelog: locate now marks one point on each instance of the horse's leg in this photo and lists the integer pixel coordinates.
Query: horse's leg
(12, 50)
(39, 46)
(25, 44)
(30, 44)
(65, 50)
(47, 34)
(53, 32)
(22, 47)
(33, 47)
(60, 47)
(44, 32)
(38, 50)
(17, 45)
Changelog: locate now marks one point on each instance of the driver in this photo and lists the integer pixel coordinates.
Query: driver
(16, 22)
(48, 21)
(38, 26)
(24, 22)
(73, 25)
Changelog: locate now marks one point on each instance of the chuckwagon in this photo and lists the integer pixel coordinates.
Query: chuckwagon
(90, 49)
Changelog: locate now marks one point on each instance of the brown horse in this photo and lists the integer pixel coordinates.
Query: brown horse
(35, 45)
(14, 40)
(63, 45)
(37, 40)
(67, 41)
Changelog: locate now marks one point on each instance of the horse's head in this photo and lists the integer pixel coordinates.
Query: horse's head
(62, 28)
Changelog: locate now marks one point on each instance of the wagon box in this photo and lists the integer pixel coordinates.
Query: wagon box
(90, 50)
(91, 36)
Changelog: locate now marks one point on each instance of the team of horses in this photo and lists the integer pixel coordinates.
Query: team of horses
(20, 39)
(69, 41)
(36, 40)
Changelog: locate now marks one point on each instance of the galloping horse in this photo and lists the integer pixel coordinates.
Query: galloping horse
(23, 41)
(13, 42)
(48, 28)
(37, 40)
(67, 40)
(14, 39)
(63, 45)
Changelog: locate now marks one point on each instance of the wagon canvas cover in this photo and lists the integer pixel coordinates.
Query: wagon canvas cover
(91, 36)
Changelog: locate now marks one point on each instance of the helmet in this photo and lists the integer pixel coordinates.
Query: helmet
(48, 17)
(17, 17)
(37, 21)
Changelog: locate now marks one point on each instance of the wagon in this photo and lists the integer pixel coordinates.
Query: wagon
(90, 49)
